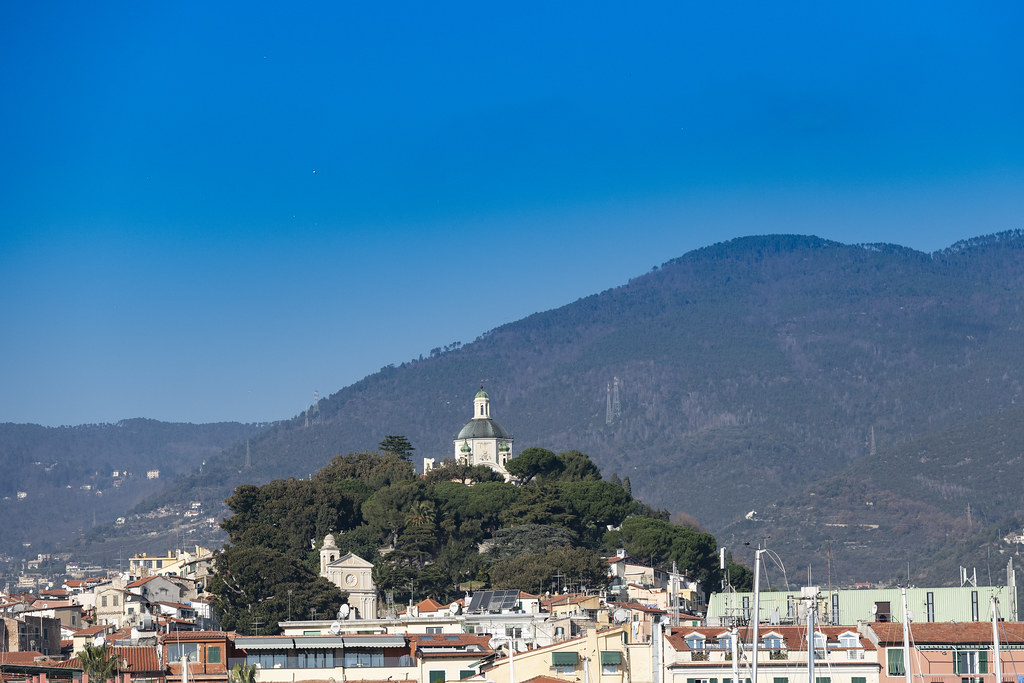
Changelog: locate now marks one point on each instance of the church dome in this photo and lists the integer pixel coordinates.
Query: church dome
(481, 394)
(329, 541)
(483, 429)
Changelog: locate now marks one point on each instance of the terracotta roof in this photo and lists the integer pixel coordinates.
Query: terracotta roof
(28, 658)
(176, 605)
(641, 608)
(548, 679)
(949, 632)
(197, 635)
(93, 630)
(426, 644)
(139, 582)
(133, 658)
(430, 605)
(51, 604)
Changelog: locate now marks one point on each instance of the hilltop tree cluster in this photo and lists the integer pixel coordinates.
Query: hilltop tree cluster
(457, 527)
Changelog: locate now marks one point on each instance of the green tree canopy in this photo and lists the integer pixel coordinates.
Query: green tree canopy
(98, 662)
(534, 461)
(577, 466)
(397, 444)
(251, 590)
(537, 571)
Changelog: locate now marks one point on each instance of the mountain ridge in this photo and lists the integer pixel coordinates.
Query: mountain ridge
(745, 366)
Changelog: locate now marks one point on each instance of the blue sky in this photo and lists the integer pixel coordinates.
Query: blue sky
(210, 210)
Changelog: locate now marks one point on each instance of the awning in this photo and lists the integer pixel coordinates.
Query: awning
(265, 643)
(317, 642)
(374, 641)
(565, 658)
(608, 657)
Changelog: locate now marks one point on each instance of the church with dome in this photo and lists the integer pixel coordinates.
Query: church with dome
(483, 441)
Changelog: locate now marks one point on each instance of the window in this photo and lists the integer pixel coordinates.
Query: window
(175, 651)
(103, 601)
(746, 606)
(822, 679)
(835, 608)
(724, 642)
(695, 641)
(466, 673)
(858, 679)
(610, 662)
(564, 662)
(213, 654)
(819, 645)
(895, 660)
(780, 679)
(790, 607)
(974, 605)
(514, 631)
(882, 611)
(437, 677)
(849, 640)
(773, 642)
(117, 600)
(315, 659)
(929, 602)
(433, 629)
(970, 662)
(363, 658)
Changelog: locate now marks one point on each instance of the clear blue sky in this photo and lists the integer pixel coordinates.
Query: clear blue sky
(210, 210)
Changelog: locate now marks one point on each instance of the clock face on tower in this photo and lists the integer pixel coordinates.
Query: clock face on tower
(350, 579)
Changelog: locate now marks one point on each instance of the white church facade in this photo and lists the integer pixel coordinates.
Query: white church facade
(483, 441)
(352, 574)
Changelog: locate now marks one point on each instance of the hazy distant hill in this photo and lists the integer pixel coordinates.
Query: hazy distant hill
(67, 474)
(749, 372)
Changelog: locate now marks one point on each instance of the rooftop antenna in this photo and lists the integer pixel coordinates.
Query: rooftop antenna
(248, 457)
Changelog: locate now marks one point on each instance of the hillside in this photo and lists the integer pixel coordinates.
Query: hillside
(67, 474)
(748, 371)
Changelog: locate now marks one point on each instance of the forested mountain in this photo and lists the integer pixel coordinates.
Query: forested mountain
(750, 373)
(71, 478)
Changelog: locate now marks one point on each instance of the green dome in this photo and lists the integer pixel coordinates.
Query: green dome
(483, 429)
(481, 394)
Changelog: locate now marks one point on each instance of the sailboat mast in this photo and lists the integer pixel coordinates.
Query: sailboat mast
(810, 640)
(995, 640)
(757, 614)
(906, 636)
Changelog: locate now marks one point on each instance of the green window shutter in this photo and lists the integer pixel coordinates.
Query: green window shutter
(714, 680)
(691, 680)
(859, 679)
(213, 654)
(823, 679)
(895, 656)
(466, 673)
(563, 659)
(780, 679)
(608, 657)
(956, 662)
(983, 661)
(436, 677)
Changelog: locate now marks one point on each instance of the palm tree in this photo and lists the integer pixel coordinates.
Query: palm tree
(98, 663)
(242, 673)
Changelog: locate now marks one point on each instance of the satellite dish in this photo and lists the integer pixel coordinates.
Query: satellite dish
(874, 609)
(454, 608)
(910, 616)
(343, 611)
(494, 642)
(335, 628)
(620, 616)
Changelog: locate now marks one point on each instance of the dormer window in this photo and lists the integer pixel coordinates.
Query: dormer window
(774, 642)
(819, 644)
(695, 641)
(725, 641)
(849, 640)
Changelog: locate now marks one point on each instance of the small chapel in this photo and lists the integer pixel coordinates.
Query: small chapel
(350, 573)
